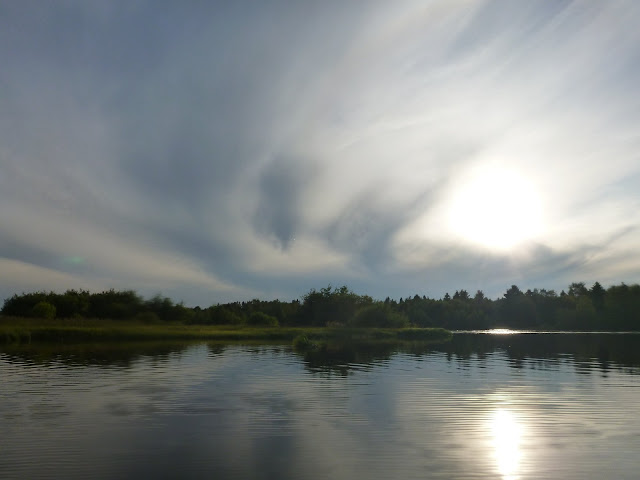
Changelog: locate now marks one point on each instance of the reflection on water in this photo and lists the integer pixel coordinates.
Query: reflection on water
(513, 407)
(506, 431)
(500, 331)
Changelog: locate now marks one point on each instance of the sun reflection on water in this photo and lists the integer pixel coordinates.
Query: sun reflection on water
(502, 331)
(507, 434)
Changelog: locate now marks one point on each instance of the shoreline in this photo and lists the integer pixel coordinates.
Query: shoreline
(18, 330)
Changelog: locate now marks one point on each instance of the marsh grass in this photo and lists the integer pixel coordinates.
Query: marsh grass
(21, 330)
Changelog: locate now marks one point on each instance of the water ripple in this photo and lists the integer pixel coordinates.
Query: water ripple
(481, 407)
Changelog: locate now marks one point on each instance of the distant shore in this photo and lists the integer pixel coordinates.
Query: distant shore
(616, 308)
(21, 330)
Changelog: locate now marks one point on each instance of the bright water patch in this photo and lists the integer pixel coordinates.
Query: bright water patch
(481, 407)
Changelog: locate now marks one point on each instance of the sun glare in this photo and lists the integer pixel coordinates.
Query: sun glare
(506, 441)
(496, 209)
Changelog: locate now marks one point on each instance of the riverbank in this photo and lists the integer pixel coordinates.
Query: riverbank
(21, 330)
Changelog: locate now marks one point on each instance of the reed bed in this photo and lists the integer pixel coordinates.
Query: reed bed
(23, 330)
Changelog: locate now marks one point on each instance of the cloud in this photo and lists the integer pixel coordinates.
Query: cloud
(243, 149)
(25, 277)
(279, 190)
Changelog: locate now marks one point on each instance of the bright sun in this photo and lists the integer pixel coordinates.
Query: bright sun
(497, 209)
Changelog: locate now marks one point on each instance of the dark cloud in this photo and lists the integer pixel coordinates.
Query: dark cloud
(279, 198)
(366, 226)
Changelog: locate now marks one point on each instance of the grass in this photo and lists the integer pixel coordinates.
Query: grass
(26, 330)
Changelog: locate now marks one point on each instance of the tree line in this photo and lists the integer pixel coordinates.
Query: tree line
(615, 308)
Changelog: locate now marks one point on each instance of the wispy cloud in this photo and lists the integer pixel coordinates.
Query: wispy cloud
(219, 151)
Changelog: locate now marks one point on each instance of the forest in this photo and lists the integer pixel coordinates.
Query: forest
(580, 308)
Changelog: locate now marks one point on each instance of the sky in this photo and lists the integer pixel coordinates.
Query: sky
(222, 151)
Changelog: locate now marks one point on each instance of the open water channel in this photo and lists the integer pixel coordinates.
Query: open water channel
(484, 406)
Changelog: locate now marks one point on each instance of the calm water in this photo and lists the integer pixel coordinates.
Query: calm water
(482, 407)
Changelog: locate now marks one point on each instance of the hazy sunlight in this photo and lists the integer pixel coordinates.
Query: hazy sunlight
(497, 209)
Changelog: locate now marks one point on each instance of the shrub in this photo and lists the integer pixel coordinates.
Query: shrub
(302, 342)
(221, 315)
(43, 310)
(147, 317)
(262, 319)
(379, 315)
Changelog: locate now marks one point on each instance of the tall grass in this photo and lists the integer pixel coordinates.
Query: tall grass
(21, 330)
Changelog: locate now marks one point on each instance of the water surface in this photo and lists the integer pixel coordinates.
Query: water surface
(483, 406)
